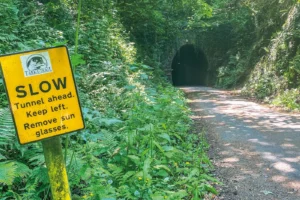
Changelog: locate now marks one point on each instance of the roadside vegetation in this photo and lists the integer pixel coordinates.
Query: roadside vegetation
(254, 46)
(138, 142)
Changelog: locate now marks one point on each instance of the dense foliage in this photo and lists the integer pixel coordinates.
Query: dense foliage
(137, 143)
(156, 25)
(254, 45)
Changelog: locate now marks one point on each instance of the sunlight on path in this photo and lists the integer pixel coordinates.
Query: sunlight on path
(274, 135)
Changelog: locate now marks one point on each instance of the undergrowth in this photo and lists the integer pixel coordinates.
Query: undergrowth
(289, 99)
(139, 135)
(254, 46)
(137, 142)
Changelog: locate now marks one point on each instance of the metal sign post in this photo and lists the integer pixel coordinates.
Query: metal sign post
(44, 103)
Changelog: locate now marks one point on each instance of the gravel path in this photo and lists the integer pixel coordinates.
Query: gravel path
(255, 149)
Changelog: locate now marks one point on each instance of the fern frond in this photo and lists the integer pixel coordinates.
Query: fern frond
(22, 170)
(2, 157)
(109, 139)
(37, 160)
(7, 128)
(36, 183)
(30, 151)
(40, 174)
(7, 172)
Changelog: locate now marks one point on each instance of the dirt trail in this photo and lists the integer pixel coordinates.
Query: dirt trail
(255, 149)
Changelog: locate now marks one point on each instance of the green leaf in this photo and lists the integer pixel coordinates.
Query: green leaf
(165, 136)
(178, 137)
(2, 157)
(135, 159)
(194, 172)
(158, 146)
(146, 167)
(162, 167)
(157, 196)
(162, 173)
(148, 127)
(144, 76)
(133, 68)
(129, 87)
(128, 175)
(7, 172)
(110, 121)
(77, 59)
(168, 148)
(22, 170)
(146, 67)
(37, 160)
(210, 189)
(209, 178)
(55, 44)
(180, 194)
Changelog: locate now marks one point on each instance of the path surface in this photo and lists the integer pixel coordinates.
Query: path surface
(256, 150)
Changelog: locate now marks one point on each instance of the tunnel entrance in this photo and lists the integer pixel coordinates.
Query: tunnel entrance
(189, 67)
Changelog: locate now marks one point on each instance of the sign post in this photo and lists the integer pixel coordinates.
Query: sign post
(56, 169)
(44, 103)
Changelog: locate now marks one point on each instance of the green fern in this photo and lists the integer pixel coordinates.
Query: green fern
(22, 170)
(37, 183)
(7, 128)
(7, 172)
(7, 136)
(10, 170)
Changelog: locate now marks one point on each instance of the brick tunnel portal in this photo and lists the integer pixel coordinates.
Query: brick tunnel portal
(189, 67)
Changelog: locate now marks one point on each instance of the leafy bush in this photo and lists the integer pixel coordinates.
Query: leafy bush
(137, 142)
(292, 73)
(289, 99)
(142, 139)
(24, 27)
(232, 74)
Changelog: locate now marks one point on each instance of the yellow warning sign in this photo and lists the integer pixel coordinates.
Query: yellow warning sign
(42, 93)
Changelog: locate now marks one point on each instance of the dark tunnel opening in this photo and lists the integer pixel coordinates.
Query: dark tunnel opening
(189, 67)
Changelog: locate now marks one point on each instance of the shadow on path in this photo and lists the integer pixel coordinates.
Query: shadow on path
(260, 147)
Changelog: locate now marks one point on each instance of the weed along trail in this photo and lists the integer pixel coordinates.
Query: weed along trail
(255, 149)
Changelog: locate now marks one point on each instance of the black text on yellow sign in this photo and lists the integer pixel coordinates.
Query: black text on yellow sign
(42, 93)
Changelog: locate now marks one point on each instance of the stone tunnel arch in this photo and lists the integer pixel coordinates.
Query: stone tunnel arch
(189, 67)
